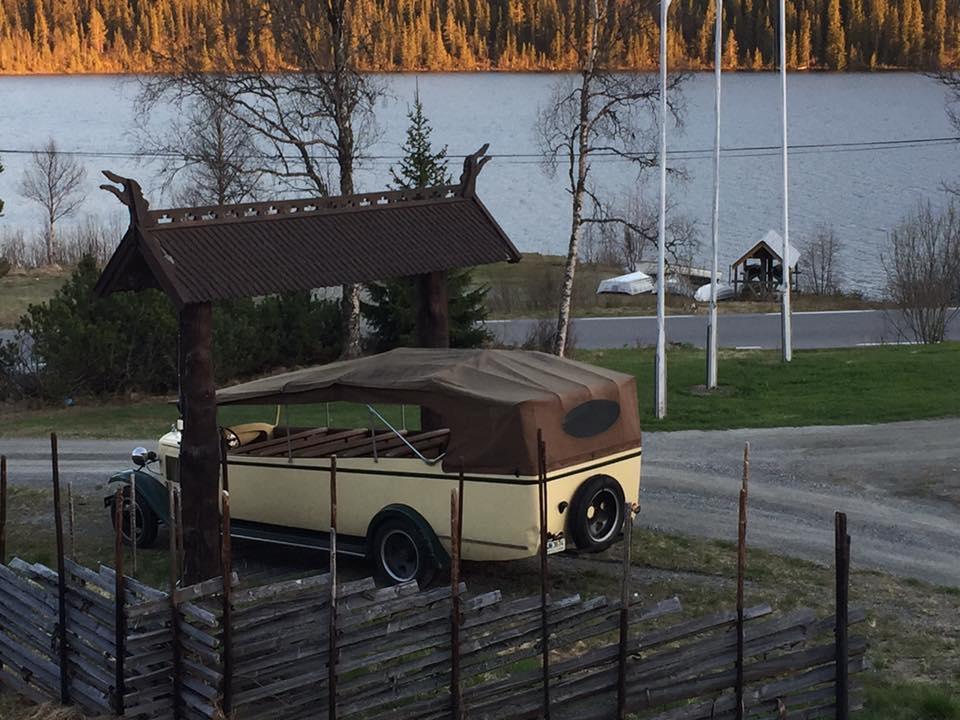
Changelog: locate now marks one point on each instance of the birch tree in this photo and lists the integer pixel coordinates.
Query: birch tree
(316, 116)
(53, 181)
(598, 113)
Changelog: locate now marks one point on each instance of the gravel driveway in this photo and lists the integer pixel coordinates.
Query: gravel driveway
(899, 483)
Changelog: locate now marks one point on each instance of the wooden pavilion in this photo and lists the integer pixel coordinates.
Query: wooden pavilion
(759, 270)
(200, 255)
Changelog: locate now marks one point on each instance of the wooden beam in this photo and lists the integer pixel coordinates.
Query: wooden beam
(433, 326)
(433, 321)
(199, 447)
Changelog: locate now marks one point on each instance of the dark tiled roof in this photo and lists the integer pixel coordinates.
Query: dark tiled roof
(214, 253)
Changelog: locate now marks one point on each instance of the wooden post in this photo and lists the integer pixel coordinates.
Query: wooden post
(332, 627)
(624, 614)
(741, 573)
(842, 549)
(432, 327)
(544, 574)
(226, 563)
(133, 522)
(119, 600)
(433, 322)
(61, 575)
(71, 519)
(174, 610)
(3, 509)
(199, 447)
(456, 515)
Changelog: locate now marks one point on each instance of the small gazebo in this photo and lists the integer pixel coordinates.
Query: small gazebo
(200, 255)
(760, 268)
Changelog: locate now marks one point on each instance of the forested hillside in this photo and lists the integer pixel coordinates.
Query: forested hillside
(126, 35)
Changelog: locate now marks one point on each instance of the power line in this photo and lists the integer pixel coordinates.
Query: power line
(530, 158)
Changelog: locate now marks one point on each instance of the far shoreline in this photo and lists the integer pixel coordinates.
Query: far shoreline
(497, 71)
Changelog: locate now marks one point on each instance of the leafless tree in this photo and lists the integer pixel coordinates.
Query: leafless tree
(923, 271)
(598, 112)
(625, 232)
(53, 181)
(821, 253)
(951, 82)
(320, 113)
(207, 155)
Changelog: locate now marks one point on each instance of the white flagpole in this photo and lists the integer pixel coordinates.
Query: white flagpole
(712, 321)
(660, 390)
(787, 334)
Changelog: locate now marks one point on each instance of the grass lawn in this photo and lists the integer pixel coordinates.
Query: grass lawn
(22, 288)
(820, 387)
(151, 418)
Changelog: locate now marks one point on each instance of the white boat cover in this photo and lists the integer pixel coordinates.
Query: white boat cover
(634, 283)
(724, 292)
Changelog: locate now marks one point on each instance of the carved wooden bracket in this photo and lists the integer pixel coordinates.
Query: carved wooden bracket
(472, 165)
(131, 195)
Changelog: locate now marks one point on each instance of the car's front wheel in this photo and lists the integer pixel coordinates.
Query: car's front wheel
(596, 513)
(146, 520)
(402, 553)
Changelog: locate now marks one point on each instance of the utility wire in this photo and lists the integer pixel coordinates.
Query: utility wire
(745, 151)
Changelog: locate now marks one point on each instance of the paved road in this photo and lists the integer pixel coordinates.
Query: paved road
(833, 328)
(899, 484)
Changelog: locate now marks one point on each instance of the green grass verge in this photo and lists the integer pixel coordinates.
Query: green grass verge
(150, 419)
(18, 290)
(820, 387)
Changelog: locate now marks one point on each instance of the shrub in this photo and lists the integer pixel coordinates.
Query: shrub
(76, 344)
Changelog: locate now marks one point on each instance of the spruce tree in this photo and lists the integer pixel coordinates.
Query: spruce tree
(392, 309)
(836, 50)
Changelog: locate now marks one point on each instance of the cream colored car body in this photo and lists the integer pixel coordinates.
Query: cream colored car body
(500, 512)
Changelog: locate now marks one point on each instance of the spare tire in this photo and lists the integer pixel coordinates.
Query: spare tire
(596, 513)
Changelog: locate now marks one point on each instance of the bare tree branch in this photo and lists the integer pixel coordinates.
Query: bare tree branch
(53, 181)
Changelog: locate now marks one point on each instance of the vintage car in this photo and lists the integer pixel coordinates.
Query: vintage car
(481, 411)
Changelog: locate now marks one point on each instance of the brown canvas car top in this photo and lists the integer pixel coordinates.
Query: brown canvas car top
(493, 401)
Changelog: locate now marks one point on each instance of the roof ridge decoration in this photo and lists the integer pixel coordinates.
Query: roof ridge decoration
(140, 214)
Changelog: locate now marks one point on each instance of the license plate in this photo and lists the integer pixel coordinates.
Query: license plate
(556, 546)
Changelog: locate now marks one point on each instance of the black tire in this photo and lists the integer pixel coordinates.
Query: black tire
(402, 553)
(148, 524)
(596, 514)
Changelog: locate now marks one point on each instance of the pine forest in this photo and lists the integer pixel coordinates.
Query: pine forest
(461, 35)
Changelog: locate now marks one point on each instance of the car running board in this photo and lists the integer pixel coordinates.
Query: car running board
(296, 537)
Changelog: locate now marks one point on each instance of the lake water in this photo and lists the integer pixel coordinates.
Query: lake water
(862, 191)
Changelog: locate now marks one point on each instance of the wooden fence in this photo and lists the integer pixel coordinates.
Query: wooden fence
(314, 647)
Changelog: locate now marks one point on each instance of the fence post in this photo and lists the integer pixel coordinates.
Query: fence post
(456, 538)
(226, 566)
(119, 599)
(842, 549)
(741, 572)
(71, 520)
(133, 522)
(174, 610)
(61, 574)
(332, 628)
(544, 573)
(624, 613)
(3, 509)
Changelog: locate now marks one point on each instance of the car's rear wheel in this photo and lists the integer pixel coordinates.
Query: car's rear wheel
(596, 513)
(402, 553)
(146, 520)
